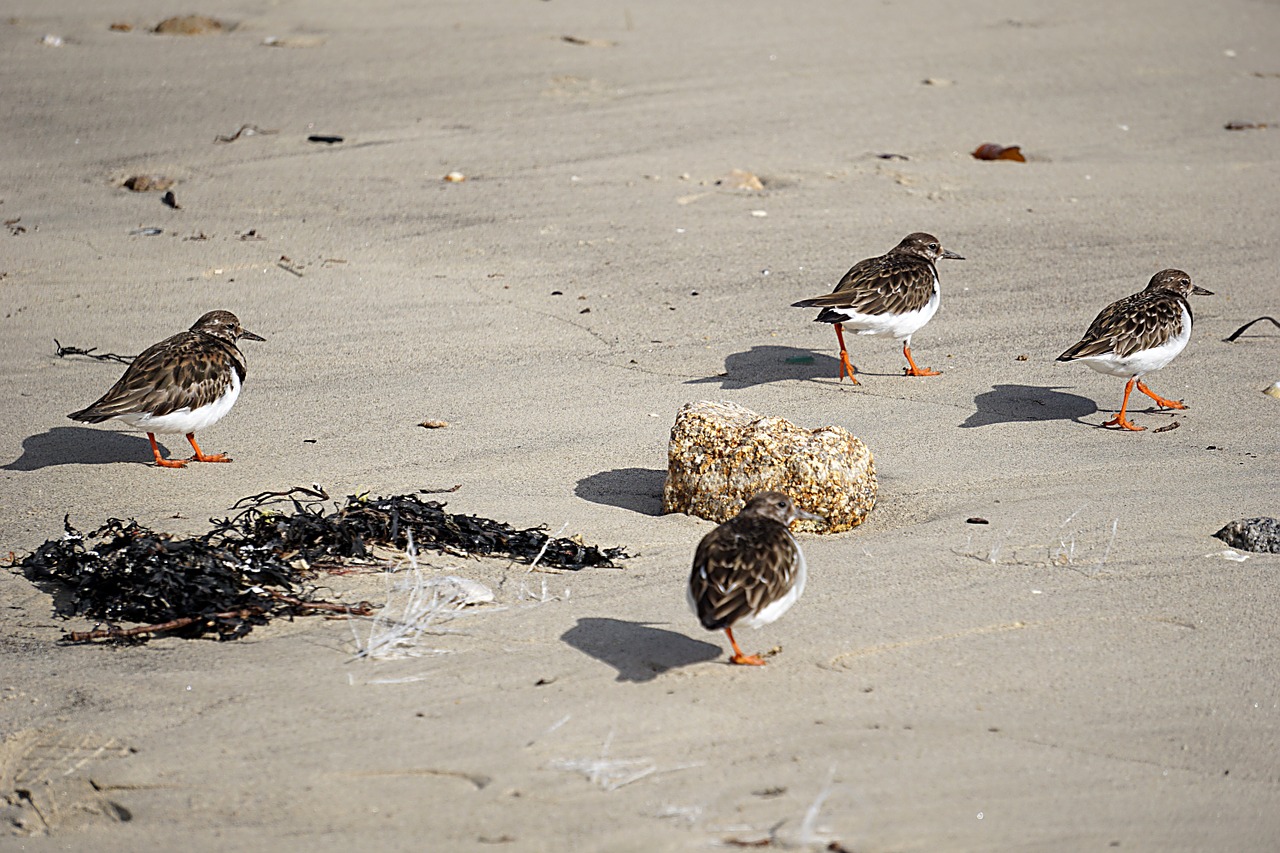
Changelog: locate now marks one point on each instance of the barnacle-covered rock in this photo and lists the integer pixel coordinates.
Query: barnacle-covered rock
(721, 454)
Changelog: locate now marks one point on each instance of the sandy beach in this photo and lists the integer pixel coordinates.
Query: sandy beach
(1087, 671)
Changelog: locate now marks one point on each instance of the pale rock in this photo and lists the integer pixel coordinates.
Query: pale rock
(721, 454)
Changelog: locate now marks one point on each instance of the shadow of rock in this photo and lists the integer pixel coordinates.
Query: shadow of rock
(1020, 403)
(639, 652)
(763, 364)
(81, 446)
(636, 489)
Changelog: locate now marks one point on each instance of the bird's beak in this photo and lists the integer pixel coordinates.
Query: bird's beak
(1200, 291)
(248, 335)
(804, 515)
(947, 253)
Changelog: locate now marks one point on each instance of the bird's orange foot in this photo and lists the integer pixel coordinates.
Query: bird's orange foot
(747, 660)
(1123, 423)
(1161, 401)
(217, 457)
(171, 463)
(846, 369)
(920, 371)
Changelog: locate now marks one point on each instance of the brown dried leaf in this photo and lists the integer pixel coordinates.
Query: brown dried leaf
(992, 151)
(429, 424)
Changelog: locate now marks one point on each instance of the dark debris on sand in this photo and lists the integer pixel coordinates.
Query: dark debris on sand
(251, 568)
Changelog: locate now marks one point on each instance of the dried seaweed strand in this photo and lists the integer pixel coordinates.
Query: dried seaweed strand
(1240, 331)
(91, 352)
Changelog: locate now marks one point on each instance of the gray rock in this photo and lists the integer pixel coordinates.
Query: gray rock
(722, 454)
(1252, 534)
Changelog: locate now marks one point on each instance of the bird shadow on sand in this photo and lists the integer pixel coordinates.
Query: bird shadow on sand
(1021, 403)
(638, 651)
(81, 446)
(761, 365)
(636, 489)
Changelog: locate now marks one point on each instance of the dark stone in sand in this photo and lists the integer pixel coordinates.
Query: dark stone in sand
(1252, 534)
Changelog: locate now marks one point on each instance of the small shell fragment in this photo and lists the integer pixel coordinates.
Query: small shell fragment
(741, 179)
(429, 424)
(454, 178)
(148, 183)
(461, 591)
(1273, 390)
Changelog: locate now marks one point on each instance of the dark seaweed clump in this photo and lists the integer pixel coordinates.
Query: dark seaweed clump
(249, 569)
(348, 533)
(124, 572)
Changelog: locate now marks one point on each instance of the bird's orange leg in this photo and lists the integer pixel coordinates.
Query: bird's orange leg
(1161, 401)
(846, 369)
(738, 656)
(200, 457)
(913, 370)
(1120, 420)
(160, 460)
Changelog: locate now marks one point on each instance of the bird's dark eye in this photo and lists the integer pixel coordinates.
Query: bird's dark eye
(933, 247)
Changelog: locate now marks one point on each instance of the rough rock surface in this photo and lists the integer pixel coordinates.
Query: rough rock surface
(1252, 534)
(721, 454)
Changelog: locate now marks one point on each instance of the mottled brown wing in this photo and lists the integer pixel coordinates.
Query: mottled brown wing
(891, 284)
(1138, 322)
(740, 568)
(186, 370)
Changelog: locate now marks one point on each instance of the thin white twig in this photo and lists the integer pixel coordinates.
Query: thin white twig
(1115, 523)
(546, 545)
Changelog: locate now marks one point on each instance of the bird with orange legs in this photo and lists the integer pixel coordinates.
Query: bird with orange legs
(749, 570)
(183, 384)
(1140, 334)
(893, 295)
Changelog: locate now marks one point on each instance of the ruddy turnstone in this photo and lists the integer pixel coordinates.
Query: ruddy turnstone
(893, 295)
(749, 569)
(1139, 334)
(180, 385)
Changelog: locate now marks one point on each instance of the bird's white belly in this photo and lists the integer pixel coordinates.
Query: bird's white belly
(186, 420)
(1144, 361)
(897, 326)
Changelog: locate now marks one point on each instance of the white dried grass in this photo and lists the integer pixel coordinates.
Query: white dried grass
(612, 773)
(543, 550)
(418, 606)
(1077, 548)
(609, 773)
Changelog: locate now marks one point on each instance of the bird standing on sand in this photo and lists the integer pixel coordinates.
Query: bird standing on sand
(1139, 334)
(180, 385)
(749, 569)
(893, 295)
